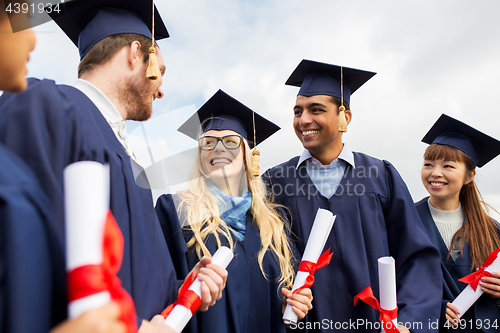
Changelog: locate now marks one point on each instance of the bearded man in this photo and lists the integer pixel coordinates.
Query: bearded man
(51, 126)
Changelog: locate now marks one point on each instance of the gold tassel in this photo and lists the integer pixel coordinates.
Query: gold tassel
(153, 71)
(342, 121)
(256, 162)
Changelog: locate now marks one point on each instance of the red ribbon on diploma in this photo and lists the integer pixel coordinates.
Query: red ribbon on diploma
(473, 278)
(88, 280)
(310, 267)
(386, 316)
(187, 298)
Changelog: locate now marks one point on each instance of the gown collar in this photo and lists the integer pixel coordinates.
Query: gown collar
(108, 110)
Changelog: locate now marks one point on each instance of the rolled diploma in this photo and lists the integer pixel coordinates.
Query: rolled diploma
(468, 296)
(86, 194)
(387, 285)
(320, 231)
(180, 315)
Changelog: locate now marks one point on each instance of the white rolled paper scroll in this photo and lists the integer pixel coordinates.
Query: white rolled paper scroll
(320, 232)
(86, 195)
(468, 296)
(180, 315)
(387, 285)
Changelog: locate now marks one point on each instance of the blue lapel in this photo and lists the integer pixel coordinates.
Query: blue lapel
(235, 287)
(432, 230)
(450, 288)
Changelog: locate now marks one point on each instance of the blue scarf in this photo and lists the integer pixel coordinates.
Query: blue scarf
(233, 210)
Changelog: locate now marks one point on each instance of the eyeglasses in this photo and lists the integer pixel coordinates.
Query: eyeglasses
(229, 141)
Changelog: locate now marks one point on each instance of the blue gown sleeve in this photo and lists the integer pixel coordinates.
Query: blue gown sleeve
(30, 266)
(172, 232)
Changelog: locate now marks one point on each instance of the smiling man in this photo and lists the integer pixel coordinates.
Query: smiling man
(51, 126)
(375, 212)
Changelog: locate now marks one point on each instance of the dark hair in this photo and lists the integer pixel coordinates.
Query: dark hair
(106, 48)
(337, 101)
(480, 231)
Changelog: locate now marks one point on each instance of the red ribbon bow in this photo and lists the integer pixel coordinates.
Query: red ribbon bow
(310, 267)
(473, 278)
(386, 316)
(88, 280)
(187, 298)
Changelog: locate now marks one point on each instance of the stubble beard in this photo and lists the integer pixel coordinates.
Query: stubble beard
(137, 99)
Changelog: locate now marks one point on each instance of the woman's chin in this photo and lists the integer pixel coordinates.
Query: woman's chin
(224, 175)
(221, 174)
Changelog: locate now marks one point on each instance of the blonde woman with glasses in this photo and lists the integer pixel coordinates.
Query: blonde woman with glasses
(227, 205)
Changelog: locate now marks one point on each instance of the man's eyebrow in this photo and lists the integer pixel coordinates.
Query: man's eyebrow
(316, 104)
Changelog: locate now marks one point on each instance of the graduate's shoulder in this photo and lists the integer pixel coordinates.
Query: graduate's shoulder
(45, 96)
(168, 199)
(164, 201)
(381, 166)
(277, 170)
(378, 176)
(421, 202)
(48, 88)
(368, 160)
(167, 206)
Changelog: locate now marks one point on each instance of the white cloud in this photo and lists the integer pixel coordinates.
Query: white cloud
(431, 57)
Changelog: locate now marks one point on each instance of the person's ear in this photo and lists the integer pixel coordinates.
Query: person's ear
(348, 116)
(470, 177)
(134, 55)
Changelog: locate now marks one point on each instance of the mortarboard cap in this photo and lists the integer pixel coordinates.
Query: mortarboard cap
(228, 114)
(317, 78)
(481, 148)
(86, 22)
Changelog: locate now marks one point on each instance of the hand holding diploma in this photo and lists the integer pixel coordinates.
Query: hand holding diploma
(311, 259)
(156, 325)
(190, 296)
(105, 319)
(213, 280)
(471, 293)
(452, 314)
(491, 284)
(301, 301)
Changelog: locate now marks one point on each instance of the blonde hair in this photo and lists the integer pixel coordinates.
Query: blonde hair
(203, 218)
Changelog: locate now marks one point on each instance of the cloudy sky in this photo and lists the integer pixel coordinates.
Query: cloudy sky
(431, 57)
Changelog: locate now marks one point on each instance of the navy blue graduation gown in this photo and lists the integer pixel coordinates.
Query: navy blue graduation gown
(29, 263)
(249, 303)
(51, 126)
(485, 310)
(375, 217)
